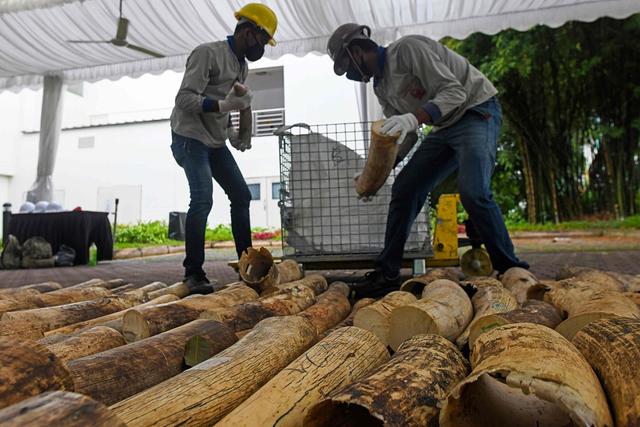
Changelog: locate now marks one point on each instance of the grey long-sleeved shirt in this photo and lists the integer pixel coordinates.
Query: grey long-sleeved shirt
(211, 71)
(422, 73)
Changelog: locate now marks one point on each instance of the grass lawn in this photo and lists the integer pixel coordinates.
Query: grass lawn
(169, 242)
(632, 222)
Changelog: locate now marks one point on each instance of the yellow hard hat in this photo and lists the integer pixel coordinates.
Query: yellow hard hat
(262, 16)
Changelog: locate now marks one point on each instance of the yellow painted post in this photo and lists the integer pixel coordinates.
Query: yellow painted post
(445, 235)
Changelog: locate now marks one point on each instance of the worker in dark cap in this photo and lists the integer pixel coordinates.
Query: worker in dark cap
(420, 81)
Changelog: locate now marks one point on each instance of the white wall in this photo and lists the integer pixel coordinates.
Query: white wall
(10, 135)
(10, 131)
(136, 158)
(4, 194)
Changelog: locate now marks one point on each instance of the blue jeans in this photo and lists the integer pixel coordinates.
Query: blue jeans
(470, 146)
(200, 164)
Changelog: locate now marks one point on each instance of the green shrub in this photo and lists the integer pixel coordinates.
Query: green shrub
(631, 222)
(157, 232)
(143, 232)
(221, 233)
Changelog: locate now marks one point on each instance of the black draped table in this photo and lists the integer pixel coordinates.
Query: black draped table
(76, 229)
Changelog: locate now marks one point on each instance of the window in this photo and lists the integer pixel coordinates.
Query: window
(267, 86)
(86, 142)
(275, 191)
(76, 88)
(255, 191)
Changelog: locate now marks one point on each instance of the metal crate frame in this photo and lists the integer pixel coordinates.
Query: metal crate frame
(317, 175)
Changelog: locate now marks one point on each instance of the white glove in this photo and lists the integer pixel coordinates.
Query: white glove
(402, 124)
(234, 139)
(235, 102)
(364, 199)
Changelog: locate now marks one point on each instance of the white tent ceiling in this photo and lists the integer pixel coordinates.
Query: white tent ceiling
(33, 32)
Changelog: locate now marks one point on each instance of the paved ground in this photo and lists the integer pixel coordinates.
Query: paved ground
(575, 242)
(168, 268)
(546, 265)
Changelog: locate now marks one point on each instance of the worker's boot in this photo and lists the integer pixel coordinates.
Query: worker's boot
(198, 284)
(374, 284)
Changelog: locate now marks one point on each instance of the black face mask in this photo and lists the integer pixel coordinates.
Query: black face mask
(357, 73)
(254, 51)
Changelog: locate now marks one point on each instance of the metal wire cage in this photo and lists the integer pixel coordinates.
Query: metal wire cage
(322, 217)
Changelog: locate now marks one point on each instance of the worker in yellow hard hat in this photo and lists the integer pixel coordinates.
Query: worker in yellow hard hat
(200, 127)
(262, 17)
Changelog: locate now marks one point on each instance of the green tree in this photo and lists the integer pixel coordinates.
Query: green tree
(614, 92)
(570, 99)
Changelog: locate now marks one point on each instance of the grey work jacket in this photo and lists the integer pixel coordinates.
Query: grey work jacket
(211, 71)
(423, 73)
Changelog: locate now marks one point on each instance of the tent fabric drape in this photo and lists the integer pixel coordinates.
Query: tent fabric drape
(33, 33)
(369, 109)
(21, 5)
(50, 123)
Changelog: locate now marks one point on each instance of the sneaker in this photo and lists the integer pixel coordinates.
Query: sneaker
(373, 285)
(198, 284)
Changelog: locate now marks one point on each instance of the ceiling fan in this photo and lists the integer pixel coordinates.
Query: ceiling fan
(121, 38)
